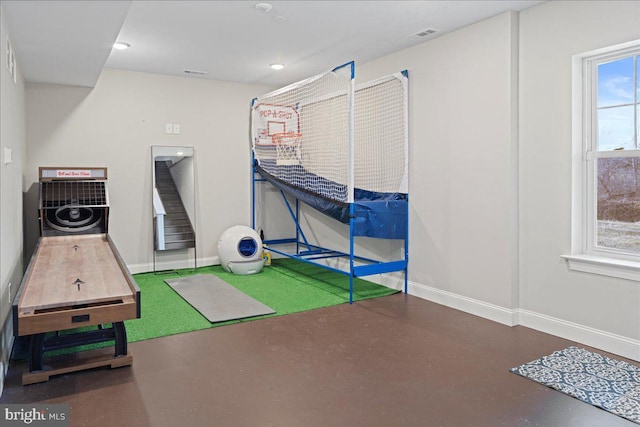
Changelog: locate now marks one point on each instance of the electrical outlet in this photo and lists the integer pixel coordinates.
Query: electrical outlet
(168, 128)
(176, 128)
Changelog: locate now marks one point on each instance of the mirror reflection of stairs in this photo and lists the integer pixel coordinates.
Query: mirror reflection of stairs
(178, 230)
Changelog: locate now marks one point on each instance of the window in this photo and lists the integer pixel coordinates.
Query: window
(613, 156)
(606, 229)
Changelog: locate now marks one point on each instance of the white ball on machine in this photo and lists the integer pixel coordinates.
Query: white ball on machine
(240, 250)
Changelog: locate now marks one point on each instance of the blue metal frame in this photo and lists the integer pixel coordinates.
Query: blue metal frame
(351, 64)
(311, 254)
(314, 253)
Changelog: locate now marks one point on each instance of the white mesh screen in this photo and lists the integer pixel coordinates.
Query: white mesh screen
(381, 138)
(314, 118)
(318, 109)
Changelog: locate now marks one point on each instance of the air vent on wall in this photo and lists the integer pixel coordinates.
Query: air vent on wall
(425, 33)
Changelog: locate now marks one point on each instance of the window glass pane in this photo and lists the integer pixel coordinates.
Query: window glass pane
(615, 82)
(615, 128)
(638, 78)
(618, 204)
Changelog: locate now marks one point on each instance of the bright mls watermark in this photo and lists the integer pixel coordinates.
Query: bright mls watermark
(55, 415)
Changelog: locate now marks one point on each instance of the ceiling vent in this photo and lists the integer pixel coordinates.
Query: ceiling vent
(200, 73)
(425, 33)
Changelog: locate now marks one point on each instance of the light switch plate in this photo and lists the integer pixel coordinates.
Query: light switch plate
(8, 155)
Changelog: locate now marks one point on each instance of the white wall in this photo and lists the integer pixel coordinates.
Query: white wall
(490, 171)
(463, 222)
(114, 125)
(550, 35)
(12, 136)
(183, 174)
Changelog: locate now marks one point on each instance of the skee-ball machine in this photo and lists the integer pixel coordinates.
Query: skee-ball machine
(77, 289)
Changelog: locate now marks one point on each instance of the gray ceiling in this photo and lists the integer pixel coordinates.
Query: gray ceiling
(69, 42)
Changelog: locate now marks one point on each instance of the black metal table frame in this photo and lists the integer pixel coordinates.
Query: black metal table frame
(39, 344)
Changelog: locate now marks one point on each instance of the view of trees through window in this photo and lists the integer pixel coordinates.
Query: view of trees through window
(619, 203)
(618, 173)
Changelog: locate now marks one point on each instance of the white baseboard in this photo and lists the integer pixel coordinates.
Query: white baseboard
(172, 265)
(606, 341)
(468, 305)
(612, 343)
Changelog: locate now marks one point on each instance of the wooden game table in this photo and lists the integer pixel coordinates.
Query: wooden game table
(74, 281)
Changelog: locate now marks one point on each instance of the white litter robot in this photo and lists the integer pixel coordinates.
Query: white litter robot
(240, 250)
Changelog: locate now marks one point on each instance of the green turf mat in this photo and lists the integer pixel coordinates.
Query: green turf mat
(287, 286)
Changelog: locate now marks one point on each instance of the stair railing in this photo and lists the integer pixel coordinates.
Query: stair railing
(159, 213)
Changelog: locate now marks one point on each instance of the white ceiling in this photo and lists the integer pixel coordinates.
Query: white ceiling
(66, 42)
(69, 42)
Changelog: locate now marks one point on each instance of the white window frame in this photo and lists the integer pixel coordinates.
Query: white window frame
(585, 256)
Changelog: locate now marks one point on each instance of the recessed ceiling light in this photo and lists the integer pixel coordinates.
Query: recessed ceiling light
(277, 66)
(265, 7)
(121, 45)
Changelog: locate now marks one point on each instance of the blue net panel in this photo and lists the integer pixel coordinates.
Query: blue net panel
(378, 215)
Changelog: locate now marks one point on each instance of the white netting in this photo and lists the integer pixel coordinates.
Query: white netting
(320, 112)
(381, 135)
(287, 148)
(318, 109)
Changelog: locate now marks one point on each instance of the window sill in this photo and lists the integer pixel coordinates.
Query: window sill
(621, 269)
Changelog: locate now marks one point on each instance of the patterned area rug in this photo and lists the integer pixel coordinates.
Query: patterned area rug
(610, 384)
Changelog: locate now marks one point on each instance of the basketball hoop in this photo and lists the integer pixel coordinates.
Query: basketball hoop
(287, 148)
